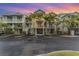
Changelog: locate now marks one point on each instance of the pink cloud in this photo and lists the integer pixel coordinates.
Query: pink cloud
(65, 9)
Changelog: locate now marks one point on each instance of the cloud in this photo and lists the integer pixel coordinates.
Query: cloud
(18, 9)
(66, 8)
(56, 7)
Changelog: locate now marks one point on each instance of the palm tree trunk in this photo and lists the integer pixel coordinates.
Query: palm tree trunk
(72, 32)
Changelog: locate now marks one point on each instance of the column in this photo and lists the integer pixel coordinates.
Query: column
(43, 27)
(46, 28)
(4, 21)
(23, 23)
(13, 18)
(35, 31)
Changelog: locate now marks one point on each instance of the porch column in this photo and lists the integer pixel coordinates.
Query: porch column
(4, 21)
(47, 26)
(43, 28)
(35, 31)
(13, 21)
(23, 23)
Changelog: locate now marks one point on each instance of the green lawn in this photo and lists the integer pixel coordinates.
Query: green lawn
(63, 54)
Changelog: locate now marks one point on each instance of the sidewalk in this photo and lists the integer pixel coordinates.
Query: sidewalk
(69, 35)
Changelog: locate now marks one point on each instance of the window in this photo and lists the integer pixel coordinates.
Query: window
(39, 23)
(27, 24)
(19, 17)
(9, 17)
(1, 19)
(50, 25)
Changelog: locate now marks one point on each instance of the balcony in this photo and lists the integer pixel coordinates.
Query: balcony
(12, 21)
(39, 24)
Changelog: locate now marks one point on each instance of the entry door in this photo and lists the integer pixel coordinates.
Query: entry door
(39, 31)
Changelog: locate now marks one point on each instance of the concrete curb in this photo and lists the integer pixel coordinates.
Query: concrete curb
(6, 36)
(57, 51)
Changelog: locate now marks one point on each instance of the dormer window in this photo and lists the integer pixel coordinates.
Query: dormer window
(39, 13)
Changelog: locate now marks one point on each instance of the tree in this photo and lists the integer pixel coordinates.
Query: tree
(71, 21)
(3, 26)
(74, 22)
(56, 22)
(29, 19)
(66, 24)
(53, 20)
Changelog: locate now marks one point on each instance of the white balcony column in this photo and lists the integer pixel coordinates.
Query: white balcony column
(23, 23)
(13, 20)
(43, 28)
(35, 26)
(13, 26)
(5, 19)
(35, 31)
(47, 26)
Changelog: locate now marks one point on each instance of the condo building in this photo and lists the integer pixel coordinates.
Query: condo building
(20, 23)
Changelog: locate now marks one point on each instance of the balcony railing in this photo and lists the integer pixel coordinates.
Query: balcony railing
(12, 21)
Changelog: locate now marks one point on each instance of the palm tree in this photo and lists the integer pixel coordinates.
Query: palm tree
(29, 19)
(53, 20)
(74, 22)
(65, 24)
(56, 22)
(3, 26)
(18, 28)
(71, 21)
(48, 21)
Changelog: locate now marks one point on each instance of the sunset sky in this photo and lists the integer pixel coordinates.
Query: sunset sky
(31, 7)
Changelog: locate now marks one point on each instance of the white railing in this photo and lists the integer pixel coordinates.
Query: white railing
(11, 21)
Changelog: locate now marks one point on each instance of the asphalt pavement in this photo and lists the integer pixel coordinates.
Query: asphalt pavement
(31, 46)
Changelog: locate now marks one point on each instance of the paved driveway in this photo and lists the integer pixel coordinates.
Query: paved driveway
(35, 46)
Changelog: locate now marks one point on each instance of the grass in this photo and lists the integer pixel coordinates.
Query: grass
(73, 53)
